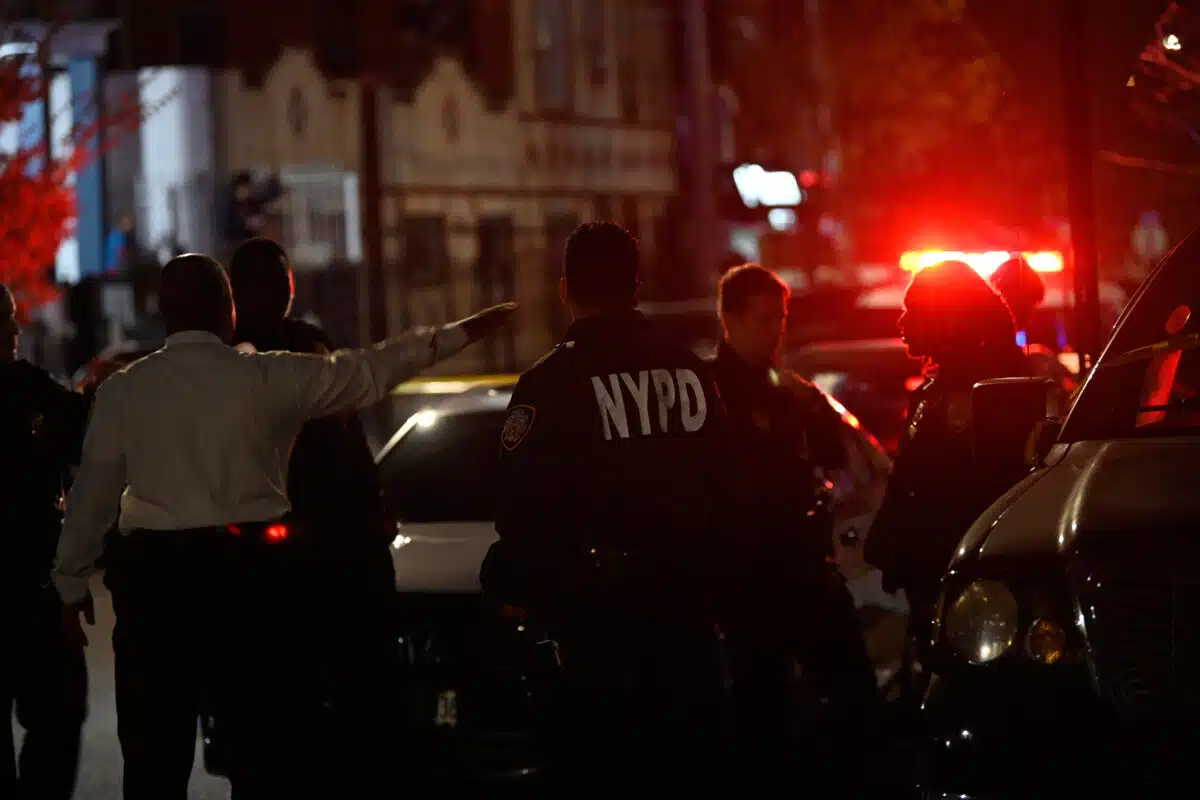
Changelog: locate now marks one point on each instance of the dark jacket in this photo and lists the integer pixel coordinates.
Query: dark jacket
(937, 489)
(615, 479)
(785, 430)
(794, 606)
(332, 483)
(41, 436)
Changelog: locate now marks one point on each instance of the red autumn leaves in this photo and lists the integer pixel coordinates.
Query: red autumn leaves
(37, 205)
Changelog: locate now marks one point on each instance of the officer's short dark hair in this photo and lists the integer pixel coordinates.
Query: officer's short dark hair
(742, 283)
(601, 265)
(262, 280)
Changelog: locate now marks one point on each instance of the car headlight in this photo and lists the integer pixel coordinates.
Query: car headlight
(982, 622)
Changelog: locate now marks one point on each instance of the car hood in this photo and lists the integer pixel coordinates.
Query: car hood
(1090, 488)
(441, 557)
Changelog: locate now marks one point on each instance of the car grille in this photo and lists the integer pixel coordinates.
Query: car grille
(1142, 619)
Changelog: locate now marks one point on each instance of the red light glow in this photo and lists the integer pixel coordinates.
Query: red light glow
(277, 532)
(914, 383)
(984, 263)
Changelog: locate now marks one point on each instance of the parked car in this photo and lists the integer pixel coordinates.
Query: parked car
(1069, 623)
(466, 674)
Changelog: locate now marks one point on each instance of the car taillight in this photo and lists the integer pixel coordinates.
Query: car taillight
(275, 532)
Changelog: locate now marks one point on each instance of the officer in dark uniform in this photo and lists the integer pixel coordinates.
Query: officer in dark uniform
(1023, 290)
(334, 491)
(963, 331)
(42, 672)
(799, 611)
(614, 520)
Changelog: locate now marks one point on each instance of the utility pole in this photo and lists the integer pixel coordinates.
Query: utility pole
(1081, 198)
(705, 225)
(372, 218)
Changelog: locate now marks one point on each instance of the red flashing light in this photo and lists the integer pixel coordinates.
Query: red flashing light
(277, 532)
(234, 529)
(985, 263)
(808, 179)
(913, 383)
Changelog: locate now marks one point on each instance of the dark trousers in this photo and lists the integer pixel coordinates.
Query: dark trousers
(637, 711)
(43, 676)
(353, 615)
(205, 623)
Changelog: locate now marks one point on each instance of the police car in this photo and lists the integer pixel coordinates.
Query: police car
(1068, 631)
(466, 676)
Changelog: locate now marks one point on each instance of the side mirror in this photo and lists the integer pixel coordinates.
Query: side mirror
(1044, 436)
(1004, 414)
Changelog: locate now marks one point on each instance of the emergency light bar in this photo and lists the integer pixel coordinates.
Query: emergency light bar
(983, 263)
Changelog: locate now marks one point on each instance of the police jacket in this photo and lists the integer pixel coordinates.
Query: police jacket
(785, 430)
(784, 427)
(614, 480)
(332, 482)
(41, 435)
(937, 489)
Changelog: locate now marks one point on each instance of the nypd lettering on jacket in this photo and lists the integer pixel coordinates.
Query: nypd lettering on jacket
(659, 401)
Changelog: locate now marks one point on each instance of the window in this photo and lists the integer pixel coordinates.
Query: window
(628, 34)
(426, 259)
(495, 275)
(658, 69)
(559, 226)
(595, 37)
(553, 67)
(1148, 381)
(444, 469)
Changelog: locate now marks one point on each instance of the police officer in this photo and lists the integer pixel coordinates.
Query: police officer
(187, 448)
(334, 492)
(612, 521)
(1023, 290)
(42, 671)
(799, 610)
(964, 333)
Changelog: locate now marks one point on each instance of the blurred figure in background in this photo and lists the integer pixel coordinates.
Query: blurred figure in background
(246, 214)
(964, 333)
(122, 246)
(1023, 290)
(334, 493)
(43, 675)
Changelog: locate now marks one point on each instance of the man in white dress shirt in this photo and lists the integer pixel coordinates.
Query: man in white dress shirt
(187, 450)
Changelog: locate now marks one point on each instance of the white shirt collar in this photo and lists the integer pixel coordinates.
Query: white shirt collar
(193, 337)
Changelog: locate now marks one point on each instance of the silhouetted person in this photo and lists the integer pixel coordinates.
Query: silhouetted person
(798, 609)
(43, 676)
(1022, 289)
(964, 333)
(334, 491)
(186, 449)
(614, 528)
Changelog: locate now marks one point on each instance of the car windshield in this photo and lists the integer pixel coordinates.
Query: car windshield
(443, 468)
(1148, 381)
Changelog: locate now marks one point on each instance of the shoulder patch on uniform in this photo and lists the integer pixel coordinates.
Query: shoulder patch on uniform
(958, 412)
(517, 426)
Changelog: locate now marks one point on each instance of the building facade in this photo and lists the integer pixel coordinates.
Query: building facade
(500, 129)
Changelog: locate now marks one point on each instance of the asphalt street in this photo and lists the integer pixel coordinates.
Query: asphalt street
(100, 770)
